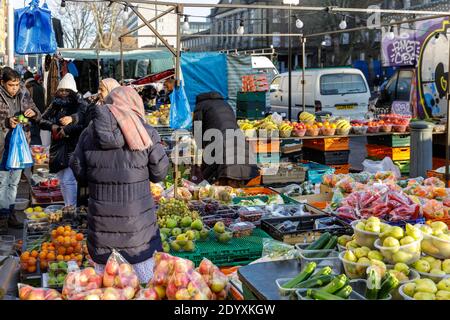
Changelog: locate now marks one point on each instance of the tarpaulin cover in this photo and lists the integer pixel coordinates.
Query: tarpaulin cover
(204, 72)
(238, 66)
(33, 30)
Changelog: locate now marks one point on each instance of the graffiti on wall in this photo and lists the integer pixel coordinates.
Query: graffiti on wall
(404, 52)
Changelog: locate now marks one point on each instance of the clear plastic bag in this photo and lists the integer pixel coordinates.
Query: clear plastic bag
(80, 281)
(19, 154)
(381, 166)
(274, 250)
(215, 279)
(119, 273)
(27, 292)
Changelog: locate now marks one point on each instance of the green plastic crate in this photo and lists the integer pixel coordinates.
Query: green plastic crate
(239, 251)
(403, 166)
(395, 140)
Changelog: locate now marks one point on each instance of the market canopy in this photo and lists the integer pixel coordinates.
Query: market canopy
(161, 60)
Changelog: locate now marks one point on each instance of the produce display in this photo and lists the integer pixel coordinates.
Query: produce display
(160, 117)
(57, 272)
(436, 240)
(432, 268)
(40, 154)
(36, 213)
(27, 292)
(221, 233)
(426, 289)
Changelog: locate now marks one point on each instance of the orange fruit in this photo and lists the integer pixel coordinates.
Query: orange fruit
(79, 257)
(31, 269)
(67, 228)
(66, 258)
(24, 256)
(69, 250)
(59, 257)
(78, 248)
(60, 239)
(51, 256)
(73, 233)
(34, 253)
(79, 237)
(72, 256)
(61, 251)
(73, 242)
(32, 261)
(51, 248)
(43, 254)
(67, 242)
(66, 233)
(54, 234)
(60, 230)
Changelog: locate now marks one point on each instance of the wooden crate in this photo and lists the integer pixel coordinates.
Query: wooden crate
(329, 144)
(341, 169)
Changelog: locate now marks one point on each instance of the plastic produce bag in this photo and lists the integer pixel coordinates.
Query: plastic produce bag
(19, 154)
(381, 166)
(120, 274)
(80, 281)
(180, 110)
(215, 279)
(27, 292)
(274, 250)
(33, 30)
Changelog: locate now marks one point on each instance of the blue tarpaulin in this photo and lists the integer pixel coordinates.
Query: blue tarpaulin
(204, 72)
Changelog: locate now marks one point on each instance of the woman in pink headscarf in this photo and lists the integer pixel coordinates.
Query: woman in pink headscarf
(118, 155)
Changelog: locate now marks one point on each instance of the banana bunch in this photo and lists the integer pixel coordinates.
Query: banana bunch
(246, 124)
(285, 127)
(268, 125)
(307, 117)
(343, 124)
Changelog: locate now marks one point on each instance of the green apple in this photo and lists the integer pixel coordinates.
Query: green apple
(360, 226)
(350, 256)
(402, 267)
(425, 285)
(364, 260)
(186, 222)
(409, 289)
(422, 266)
(166, 247)
(375, 255)
(384, 227)
(373, 227)
(391, 242)
(424, 296)
(413, 232)
(407, 240)
(444, 284)
(446, 266)
(182, 239)
(361, 252)
(443, 295)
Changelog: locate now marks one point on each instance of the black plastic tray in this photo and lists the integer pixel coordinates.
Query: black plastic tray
(326, 157)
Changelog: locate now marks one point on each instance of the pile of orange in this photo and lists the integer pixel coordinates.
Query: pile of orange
(66, 245)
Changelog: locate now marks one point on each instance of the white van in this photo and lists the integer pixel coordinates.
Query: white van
(341, 91)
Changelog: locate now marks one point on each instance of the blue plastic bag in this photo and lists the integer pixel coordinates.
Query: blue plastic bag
(180, 110)
(33, 30)
(19, 155)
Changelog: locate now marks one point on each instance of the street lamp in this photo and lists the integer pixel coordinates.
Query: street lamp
(299, 23)
(391, 35)
(343, 24)
(290, 3)
(62, 11)
(185, 26)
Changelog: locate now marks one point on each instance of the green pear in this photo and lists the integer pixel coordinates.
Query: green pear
(439, 226)
(446, 266)
(437, 272)
(204, 234)
(444, 284)
(396, 232)
(225, 237)
(425, 229)
(197, 225)
(424, 296)
(375, 255)
(374, 220)
(176, 232)
(163, 236)
(190, 234)
(360, 226)
(409, 289)
(342, 240)
(175, 246)
(436, 264)
(422, 266)
(219, 227)
(166, 247)
(384, 227)
(171, 223)
(364, 260)
(413, 232)
(407, 240)
(399, 275)
(186, 222)
(402, 257)
(430, 259)
(352, 245)
(361, 252)
(189, 246)
(391, 242)
(402, 267)
(182, 239)
(350, 256)
(373, 227)
(443, 295)
(425, 285)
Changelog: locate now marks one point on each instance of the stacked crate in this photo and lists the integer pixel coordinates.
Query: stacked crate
(397, 147)
(333, 152)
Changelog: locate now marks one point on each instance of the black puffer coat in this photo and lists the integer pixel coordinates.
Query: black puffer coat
(61, 149)
(215, 113)
(121, 208)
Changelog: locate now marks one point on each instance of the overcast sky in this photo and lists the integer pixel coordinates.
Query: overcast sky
(192, 11)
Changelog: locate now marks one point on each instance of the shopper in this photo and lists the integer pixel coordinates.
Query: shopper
(14, 101)
(215, 113)
(66, 103)
(118, 155)
(37, 94)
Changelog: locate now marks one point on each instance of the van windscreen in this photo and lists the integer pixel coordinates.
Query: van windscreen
(342, 83)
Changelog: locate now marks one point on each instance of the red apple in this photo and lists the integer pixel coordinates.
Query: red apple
(133, 281)
(205, 267)
(181, 280)
(171, 290)
(161, 291)
(108, 281)
(126, 269)
(83, 280)
(97, 280)
(52, 294)
(112, 267)
(37, 294)
(24, 292)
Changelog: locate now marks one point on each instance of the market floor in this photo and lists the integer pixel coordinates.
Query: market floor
(22, 192)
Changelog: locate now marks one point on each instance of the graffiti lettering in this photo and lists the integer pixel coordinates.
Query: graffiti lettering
(404, 52)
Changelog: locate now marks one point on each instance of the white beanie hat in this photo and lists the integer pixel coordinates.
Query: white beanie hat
(68, 82)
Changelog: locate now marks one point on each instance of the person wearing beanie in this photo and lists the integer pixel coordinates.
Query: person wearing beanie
(37, 94)
(64, 137)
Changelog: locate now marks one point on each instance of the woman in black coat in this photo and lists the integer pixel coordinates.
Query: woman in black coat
(215, 113)
(64, 138)
(118, 160)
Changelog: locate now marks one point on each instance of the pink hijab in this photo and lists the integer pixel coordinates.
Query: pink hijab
(128, 109)
(110, 84)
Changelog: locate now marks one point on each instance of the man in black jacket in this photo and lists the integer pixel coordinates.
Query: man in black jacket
(37, 94)
(215, 113)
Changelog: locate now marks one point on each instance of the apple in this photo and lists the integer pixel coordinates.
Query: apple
(120, 281)
(37, 294)
(128, 293)
(171, 290)
(181, 280)
(182, 294)
(150, 294)
(89, 272)
(24, 292)
(206, 267)
(222, 295)
(161, 291)
(97, 280)
(52, 294)
(192, 289)
(134, 281)
(92, 297)
(126, 269)
(217, 285)
(83, 280)
(108, 280)
(111, 294)
(112, 267)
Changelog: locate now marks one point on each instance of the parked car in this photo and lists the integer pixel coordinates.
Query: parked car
(339, 91)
